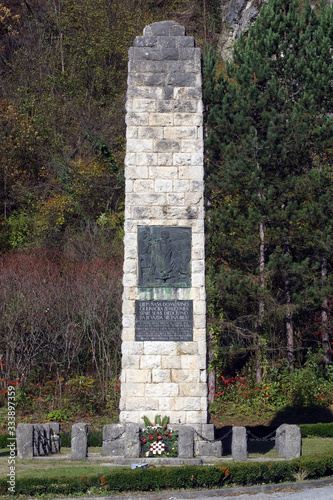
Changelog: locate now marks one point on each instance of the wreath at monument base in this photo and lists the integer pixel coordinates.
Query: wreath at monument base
(157, 439)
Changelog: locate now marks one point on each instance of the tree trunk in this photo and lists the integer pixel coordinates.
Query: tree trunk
(327, 352)
(212, 373)
(289, 323)
(261, 301)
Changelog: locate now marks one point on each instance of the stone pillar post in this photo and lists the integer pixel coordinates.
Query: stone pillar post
(164, 335)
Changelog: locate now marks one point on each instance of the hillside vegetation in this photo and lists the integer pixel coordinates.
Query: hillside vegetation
(268, 118)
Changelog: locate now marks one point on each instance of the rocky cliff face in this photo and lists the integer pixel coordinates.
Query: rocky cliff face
(236, 18)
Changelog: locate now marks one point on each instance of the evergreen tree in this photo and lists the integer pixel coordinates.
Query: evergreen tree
(269, 137)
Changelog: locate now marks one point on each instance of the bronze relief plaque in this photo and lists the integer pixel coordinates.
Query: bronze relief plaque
(164, 256)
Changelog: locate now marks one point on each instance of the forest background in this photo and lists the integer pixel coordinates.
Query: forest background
(268, 167)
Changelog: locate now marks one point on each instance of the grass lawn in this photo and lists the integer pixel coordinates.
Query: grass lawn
(35, 468)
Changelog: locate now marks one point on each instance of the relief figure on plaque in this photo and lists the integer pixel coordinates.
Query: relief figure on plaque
(164, 255)
(144, 257)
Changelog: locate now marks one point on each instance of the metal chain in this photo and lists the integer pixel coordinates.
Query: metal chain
(213, 440)
(113, 439)
(269, 437)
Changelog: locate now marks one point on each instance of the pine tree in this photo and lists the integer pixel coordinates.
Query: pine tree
(269, 136)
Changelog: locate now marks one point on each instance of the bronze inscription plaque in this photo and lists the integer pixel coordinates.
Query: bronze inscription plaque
(164, 320)
(164, 256)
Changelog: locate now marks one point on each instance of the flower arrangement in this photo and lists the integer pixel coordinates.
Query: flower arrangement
(158, 439)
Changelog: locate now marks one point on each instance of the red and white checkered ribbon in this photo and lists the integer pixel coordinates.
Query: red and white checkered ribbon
(157, 448)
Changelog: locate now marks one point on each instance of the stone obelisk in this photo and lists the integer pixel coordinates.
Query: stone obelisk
(164, 303)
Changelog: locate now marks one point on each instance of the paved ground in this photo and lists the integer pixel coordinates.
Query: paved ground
(307, 490)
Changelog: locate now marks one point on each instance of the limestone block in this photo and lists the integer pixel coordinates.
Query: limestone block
(145, 92)
(150, 133)
(187, 347)
(193, 198)
(182, 159)
(137, 119)
(171, 362)
(197, 159)
(202, 348)
(186, 442)
(203, 376)
(143, 105)
(24, 441)
(167, 389)
(186, 169)
(189, 362)
(129, 279)
(189, 53)
(180, 186)
(197, 186)
(139, 213)
(199, 334)
(131, 348)
(129, 186)
(132, 132)
(161, 376)
(288, 441)
(145, 199)
(149, 159)
(159, 119)
(177, 417)
(166, 145)
(138, 376)
(166, 404)
(188, 403)
(177, 199)
(132, 389)
(164, 348)
(239, 444)
(163, 173)
(163, 186)
(113, 440)
(164, 28)
(187, 93)
(150, 361)
(143, 186)
(190, 146)
(208, 431)
(185, 376)
(140, 403)
(79, 441)
(128, 306)
(192, 390)
(177, 133)
(187, 119)
(199, 321)
(131, 361)
(139, 145)
(129, 416)
(199, 306)
(197, 416)
(183, 79)
(128, 334)
(132, 446)
(138, 172)
(206, 449)
(165, 159)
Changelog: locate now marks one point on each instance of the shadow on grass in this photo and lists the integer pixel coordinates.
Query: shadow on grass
(302, 415)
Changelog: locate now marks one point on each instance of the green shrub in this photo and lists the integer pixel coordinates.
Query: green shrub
(317, 430)
(4, 440)
(156, 479)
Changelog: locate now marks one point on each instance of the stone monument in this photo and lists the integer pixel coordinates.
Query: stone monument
(164, 304)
